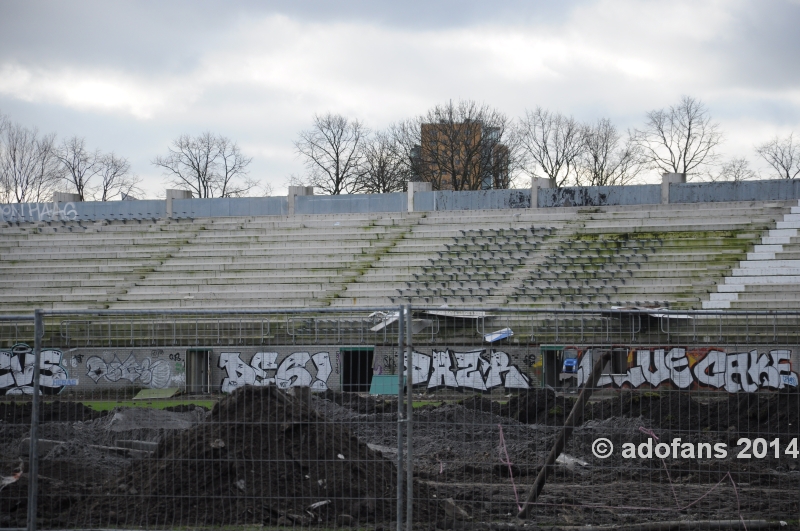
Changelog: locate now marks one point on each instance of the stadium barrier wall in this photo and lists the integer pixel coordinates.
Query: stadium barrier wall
(710, 351)
(777, 190)
(477, 368)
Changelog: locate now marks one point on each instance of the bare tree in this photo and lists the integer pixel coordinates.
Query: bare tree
(5, 184)
(80, 165)
(29, 168)
(461, 146)
(552, 144)
(332, 153)
(783, 155)
(116, 178)
(606, 159)
(736, 170)
(405, 137)
(208, 166)
(382, 169)
(265, 190)
(681, 139)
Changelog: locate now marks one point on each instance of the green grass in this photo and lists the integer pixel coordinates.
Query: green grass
(107, 405)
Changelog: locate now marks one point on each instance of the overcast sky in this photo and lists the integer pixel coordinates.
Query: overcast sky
(132, 76)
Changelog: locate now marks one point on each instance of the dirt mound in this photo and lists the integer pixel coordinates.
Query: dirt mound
(673, 410)
(366, 405)
(538, 406)
(262, 456)
(57, 411)
(483, 404)
(763, 413)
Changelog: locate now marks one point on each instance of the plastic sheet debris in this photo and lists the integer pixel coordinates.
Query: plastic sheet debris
(504, 333)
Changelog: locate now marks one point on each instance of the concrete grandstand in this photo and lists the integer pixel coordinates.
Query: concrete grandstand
(740, 255)
(616, 271)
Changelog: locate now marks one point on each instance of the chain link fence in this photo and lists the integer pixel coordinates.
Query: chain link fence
(399, 418)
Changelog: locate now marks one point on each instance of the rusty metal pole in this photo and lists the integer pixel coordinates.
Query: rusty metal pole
(574, 418)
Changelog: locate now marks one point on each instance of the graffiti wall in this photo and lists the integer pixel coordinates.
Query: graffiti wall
(38, 212)
(16, 371)
(479, 370)
(111, 367)
(295, 370)
(708, 368)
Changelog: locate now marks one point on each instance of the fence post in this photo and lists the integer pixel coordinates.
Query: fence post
(400, 352)
(33, 466)
(409, 412)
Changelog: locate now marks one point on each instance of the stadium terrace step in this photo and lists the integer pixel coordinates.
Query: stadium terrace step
(774, 262)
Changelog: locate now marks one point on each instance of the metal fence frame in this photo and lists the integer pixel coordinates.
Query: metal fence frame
(666, 319)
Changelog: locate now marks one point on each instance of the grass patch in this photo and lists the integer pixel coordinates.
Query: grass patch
(107, 405)
(423, 403)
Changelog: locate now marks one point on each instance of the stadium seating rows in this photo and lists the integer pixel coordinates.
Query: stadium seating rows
(651, 255)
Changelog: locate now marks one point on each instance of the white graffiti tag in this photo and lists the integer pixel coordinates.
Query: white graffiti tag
(291, 372)
(155, 375)
(38, 212)
(16, 370)
(477, 369)
(743, 371)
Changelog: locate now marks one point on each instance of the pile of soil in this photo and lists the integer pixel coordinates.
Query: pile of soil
(56, 411)
(750, 413)
(262, 457)
(482, 404)
(366, 405)
(538, 406)
(662, 410)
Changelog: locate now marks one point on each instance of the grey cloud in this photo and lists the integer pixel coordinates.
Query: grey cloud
(140, 36)
(172, 36)
(761, 47)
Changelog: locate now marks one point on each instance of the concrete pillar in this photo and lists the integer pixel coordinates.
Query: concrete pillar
(176, 194)
(62, 197)
(294, 191)
(65, 197)
(666, 180)
(416, 186)
(536, 183)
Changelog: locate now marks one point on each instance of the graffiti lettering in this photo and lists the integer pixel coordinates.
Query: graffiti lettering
(480, 370)
(291, 372)
(735, 372)
(16, 371)
(155, 375)
(38, 212)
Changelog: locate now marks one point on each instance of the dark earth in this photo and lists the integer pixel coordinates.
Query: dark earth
(265, 457)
